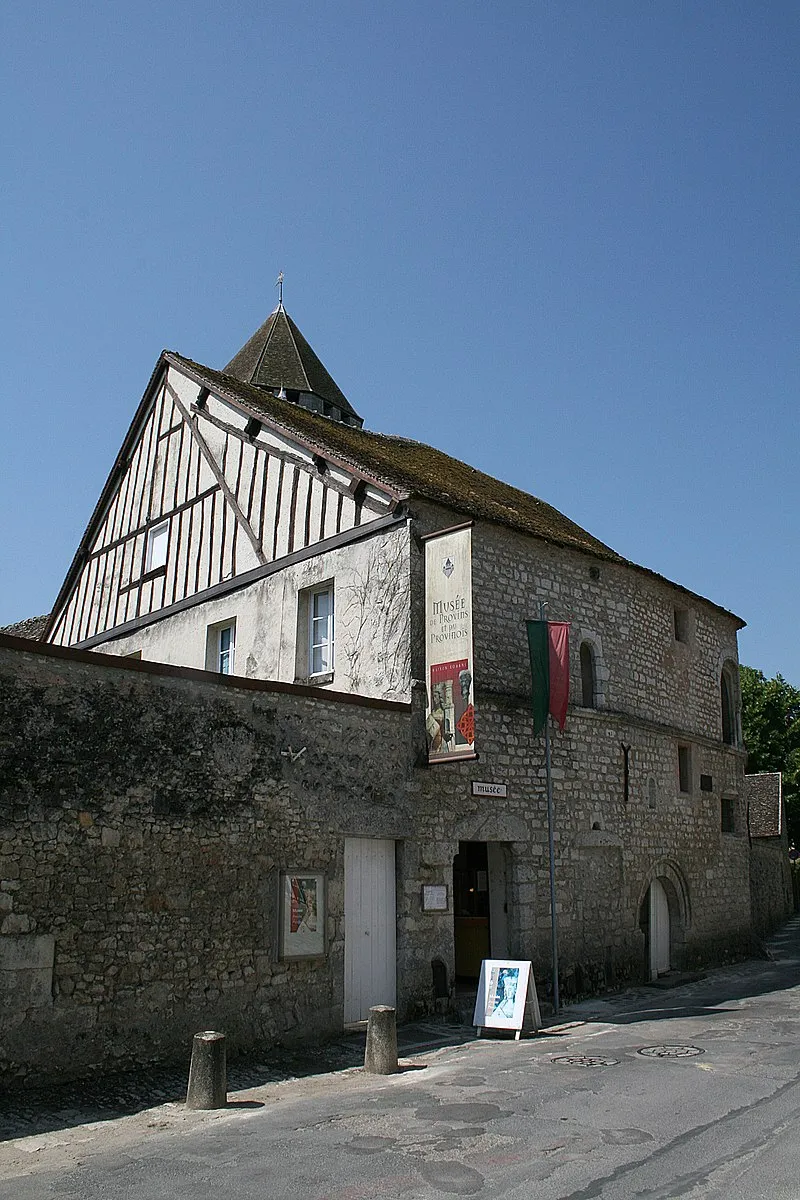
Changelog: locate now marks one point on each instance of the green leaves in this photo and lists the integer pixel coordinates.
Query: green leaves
(771, 729)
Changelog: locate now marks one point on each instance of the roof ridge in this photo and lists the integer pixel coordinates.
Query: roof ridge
(260, 359)
(289, 324)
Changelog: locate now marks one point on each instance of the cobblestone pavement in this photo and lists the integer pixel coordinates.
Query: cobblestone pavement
(30, 1110)
(37, 1110)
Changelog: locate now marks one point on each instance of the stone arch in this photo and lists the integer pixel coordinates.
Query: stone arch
(673, 881)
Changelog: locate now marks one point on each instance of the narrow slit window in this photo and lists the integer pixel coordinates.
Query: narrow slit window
(684, 769)
(588, 690)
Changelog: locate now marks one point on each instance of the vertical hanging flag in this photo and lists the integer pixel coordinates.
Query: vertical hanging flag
(548, 644)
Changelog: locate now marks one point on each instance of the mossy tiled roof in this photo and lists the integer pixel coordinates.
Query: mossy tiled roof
(31, 627)
(410, 468)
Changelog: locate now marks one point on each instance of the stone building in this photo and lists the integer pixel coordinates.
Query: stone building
(253, 535)
(770, 873)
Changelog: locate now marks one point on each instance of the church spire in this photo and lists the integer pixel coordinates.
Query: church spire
(278, 357)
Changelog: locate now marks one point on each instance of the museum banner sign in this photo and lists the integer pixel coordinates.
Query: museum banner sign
(450, 718)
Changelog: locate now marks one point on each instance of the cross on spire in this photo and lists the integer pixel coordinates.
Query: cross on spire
(279, 286)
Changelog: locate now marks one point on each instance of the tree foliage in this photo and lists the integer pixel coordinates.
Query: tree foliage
(771, 729)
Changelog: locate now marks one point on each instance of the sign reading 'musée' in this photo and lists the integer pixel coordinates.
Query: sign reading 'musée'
(450, 719)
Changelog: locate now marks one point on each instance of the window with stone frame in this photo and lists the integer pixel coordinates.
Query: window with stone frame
(314, 655)
(221, 646)
(728, 706)
(588, 676)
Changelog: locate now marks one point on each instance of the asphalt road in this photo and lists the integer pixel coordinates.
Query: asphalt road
(711, 1110)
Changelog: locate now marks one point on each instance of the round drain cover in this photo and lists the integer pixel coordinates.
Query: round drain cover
(670, 1051)
(585, 1060)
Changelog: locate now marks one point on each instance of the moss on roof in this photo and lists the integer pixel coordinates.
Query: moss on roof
(411, 468)
(31, 627)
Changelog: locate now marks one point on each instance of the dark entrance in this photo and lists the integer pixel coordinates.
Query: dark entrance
(471, 908)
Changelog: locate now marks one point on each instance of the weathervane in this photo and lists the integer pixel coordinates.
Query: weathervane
(279, 286)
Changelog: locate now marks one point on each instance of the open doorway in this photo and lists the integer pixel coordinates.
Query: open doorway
(479, 905)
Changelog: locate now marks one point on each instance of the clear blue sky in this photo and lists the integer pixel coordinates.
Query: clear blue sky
(558, 240)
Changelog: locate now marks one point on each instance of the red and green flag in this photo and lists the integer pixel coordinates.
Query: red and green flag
(548, 644)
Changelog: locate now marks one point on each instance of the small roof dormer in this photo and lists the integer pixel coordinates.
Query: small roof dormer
(277, 357)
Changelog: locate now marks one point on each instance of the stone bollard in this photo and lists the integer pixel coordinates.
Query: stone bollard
(208, 1082)
(381, 1053)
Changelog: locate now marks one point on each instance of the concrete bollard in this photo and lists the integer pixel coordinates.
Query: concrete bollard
(381, 1053)
(208, 1080)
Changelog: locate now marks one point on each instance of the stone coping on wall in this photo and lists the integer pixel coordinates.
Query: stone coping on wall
(165, 670)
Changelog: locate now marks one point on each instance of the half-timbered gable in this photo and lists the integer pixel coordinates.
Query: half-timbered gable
(217, 492)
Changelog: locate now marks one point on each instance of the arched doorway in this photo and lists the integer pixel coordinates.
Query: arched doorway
(659, 930)
(664, 918)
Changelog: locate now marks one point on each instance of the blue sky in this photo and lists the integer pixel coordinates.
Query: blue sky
(557, 240)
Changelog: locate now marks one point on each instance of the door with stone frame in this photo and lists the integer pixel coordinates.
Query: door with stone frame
(659, 930)
(370, 926)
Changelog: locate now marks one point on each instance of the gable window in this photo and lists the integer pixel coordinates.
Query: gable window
(320, 631)
(157, 542)
(220, 647)
(588, 681)
(684, 769)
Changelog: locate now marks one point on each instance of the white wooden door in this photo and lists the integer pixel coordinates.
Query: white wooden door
(370, 955)
(659, 930)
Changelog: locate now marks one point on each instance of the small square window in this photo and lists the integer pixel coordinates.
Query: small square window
(728, 815)
(684, 768)
(157, 543)
(220, 647)
(320, 632)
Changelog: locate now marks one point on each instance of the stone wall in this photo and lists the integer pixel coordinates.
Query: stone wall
(145, 816)
(146, 813)
(772, 897)
(654, 693)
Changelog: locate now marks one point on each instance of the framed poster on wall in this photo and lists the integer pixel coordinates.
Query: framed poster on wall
(502, 991)
(302, 914)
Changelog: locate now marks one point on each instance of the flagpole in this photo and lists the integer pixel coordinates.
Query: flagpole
(551, 845)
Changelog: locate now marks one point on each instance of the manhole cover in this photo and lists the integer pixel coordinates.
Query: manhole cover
(585, 1060)
(670, 1051)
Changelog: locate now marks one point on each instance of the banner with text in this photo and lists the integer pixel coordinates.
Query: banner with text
(450, 720)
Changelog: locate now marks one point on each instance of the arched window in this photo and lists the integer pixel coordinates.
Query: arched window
(588, 677)
(728, 706)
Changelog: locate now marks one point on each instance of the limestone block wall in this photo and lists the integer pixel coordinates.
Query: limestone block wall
(654, 694)
(770, 883)
(145, 816)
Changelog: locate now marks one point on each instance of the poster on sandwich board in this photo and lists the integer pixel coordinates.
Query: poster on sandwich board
(502, 992)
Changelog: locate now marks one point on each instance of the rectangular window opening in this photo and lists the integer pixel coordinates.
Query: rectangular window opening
(728, 815)
(220, 647)
(684, 768)
(320, 632)
(157, 543)
(681, 617)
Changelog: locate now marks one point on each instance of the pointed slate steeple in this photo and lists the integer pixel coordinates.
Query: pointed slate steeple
(278, 356)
